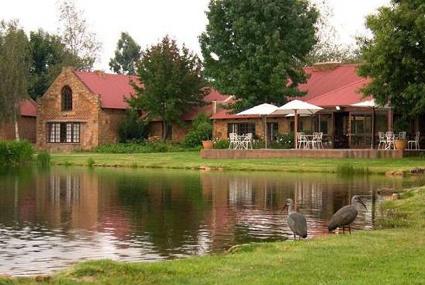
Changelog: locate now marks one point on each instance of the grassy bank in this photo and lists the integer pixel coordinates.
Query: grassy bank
(393, 255)
(192, 160)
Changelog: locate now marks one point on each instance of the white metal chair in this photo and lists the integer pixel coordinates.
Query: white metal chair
(302, 141)
(389, 137)
(316, 142)
(233, 141)
(414, 144)
(402, 135)
(382, 140)
(246, 142)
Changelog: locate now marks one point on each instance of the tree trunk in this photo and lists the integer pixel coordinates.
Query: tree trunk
(164, 130)
(15, 122)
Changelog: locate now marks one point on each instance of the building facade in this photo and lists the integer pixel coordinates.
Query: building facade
(82, 110)
(26, 123)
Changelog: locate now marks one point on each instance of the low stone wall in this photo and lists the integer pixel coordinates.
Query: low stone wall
(293, 153)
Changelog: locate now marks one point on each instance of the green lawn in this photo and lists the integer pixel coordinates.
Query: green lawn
(386, 256)
(192, 160)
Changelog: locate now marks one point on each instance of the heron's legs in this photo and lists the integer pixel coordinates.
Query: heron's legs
(349, 228)
(343, 230)
(295, 236)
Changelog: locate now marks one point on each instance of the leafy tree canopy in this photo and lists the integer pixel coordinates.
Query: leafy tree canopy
(76, 35)
(173, 83)
(126, 55)
(257, 49)
(14, 63)
(395, 57)
(48, 55)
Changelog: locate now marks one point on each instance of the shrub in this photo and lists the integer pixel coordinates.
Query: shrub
(221, 144)
(13, 153)
(132, 128)
(201, 130)
(144, 147)
(90, 162)
(284, 141)
(43, 159)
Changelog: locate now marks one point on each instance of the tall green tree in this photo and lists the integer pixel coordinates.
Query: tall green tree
(75, 34)
(126, 55)
(48, 55)
(172, 83)
(13, 72)
(257, 49)
(394, 58)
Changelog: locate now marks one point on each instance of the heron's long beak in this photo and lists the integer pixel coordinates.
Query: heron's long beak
(284, 207)
(361, 202)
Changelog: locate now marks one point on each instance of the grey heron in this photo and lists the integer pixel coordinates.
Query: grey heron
(296, 221)
(346, 215)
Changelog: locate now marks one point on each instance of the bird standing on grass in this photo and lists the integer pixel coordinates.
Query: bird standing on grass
(345, 216)
(296, 221)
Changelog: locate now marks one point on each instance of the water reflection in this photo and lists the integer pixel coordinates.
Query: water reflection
(49, 219)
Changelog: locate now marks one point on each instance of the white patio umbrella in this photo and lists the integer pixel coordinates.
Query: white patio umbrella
(262, 110)
(297, 107)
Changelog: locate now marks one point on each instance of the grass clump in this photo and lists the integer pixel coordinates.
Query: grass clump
(15, 153)
(348, 169)
(90, 162)
(43, 159)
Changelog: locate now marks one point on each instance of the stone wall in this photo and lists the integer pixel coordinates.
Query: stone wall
(26, 125)
(110, 121)
(86, 110)
(300, 153)
(178, 132)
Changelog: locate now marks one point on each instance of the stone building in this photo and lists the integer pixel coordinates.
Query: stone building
(26, 123)
(82, 110)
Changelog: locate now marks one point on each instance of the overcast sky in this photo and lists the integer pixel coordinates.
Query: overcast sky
(147, 21)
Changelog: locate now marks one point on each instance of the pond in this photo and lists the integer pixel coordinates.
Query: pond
(52, 218)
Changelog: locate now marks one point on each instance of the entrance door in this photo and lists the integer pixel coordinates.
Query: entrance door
(340, 130)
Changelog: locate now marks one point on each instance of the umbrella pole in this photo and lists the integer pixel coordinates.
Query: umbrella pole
(265, 132)
(296, 128)
(373, 129)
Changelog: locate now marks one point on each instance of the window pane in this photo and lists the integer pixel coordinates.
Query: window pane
(76, 133)
(69, 132)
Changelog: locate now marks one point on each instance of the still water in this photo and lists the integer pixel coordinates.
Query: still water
(52, 218)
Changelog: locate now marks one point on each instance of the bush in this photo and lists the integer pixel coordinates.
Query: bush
(132, 128)
(43, 159)
(90, 162)
(221, 144)
(14, 153)
(284, 141)
(201, 130)
(144, 147)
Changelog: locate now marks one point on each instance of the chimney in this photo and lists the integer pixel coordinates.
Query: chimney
(214, 107)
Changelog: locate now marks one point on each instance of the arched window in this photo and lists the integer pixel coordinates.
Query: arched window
(66, 98)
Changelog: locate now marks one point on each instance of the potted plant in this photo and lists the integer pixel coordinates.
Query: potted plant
(400, 126)
(207, 144)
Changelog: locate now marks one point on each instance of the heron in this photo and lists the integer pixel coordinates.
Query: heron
(296, 221)
(345, 216)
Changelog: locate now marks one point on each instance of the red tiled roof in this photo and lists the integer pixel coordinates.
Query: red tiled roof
(324, 80)
(327, 86)
(226, 114)
(28, 108)
(112, 88)
(214, 95)
(344, 96)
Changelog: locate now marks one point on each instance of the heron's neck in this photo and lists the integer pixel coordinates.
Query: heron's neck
(290, 208)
